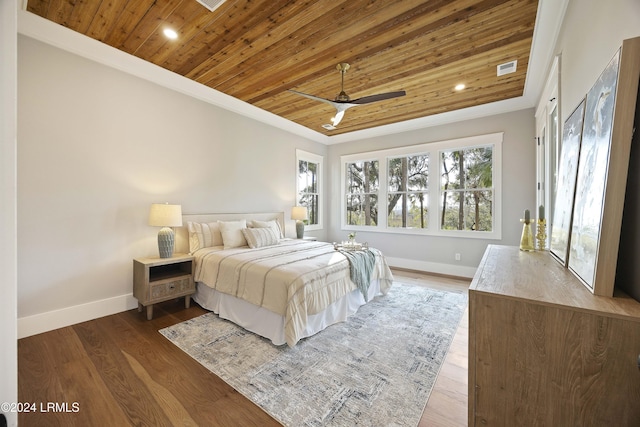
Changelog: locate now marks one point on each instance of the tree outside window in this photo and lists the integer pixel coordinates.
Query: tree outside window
(309, 186)
(467, 189)
(408, 193)
(362, 187)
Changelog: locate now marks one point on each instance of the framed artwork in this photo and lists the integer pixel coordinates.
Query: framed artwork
(592, 173)
(602, 171)
(566, 187)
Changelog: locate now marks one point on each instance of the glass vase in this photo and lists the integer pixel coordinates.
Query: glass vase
(526, 240)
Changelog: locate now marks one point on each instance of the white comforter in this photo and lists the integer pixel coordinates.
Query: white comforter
(294, 279)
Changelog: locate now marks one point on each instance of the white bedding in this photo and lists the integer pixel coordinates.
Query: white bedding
(295, 279)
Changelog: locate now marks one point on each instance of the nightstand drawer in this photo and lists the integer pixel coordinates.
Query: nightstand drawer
(163, 289)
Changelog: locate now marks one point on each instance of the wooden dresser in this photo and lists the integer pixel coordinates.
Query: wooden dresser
(544, 351)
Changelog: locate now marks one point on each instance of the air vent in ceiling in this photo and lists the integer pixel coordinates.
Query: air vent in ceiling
(211, 4)
(507, 68)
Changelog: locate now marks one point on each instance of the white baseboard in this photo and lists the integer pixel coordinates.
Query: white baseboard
(44, 322)
(432, 267)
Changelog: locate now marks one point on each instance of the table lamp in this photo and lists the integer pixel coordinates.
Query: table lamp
(299, 213)
(165, 216)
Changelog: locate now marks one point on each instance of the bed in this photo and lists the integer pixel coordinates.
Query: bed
(250, 270)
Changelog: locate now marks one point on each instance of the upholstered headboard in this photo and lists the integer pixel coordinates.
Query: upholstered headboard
(182, 234)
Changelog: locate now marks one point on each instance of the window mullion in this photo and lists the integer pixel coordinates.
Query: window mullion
(435, 190)
(383, 191)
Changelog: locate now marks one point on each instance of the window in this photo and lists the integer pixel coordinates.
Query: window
(447, 188)
(407, 191)
(467, 189)
(309, 187)
(362, 192)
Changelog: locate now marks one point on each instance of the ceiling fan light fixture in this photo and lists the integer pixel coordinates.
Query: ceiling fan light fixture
(337, 118)
(460, 86)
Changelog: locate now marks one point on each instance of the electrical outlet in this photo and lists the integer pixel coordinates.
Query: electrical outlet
(457, 257)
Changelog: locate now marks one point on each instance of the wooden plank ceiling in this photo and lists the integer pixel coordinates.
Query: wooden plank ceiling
(255, 50)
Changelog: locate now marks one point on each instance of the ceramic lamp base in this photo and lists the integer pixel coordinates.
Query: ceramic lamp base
(166, 241)
(299, 229)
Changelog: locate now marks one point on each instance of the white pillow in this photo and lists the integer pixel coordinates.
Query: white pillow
(273, 224)
(231, 231)
(203, 235)
(260, 237)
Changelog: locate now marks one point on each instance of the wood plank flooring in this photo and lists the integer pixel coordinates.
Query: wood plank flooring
(119, 371)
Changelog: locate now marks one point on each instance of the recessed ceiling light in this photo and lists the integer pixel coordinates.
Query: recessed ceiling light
(171, 34)
(460, 86)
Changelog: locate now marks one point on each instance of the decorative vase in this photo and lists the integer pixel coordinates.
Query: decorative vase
(526, 240)
(541, 234)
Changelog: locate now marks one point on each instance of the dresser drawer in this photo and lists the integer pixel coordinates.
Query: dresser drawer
(167, 289)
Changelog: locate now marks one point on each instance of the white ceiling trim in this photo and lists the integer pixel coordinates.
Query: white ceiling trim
(548, 22)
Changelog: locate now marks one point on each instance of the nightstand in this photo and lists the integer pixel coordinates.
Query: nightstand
(161, 279)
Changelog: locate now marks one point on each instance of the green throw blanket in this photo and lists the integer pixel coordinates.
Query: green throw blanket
(361, 264)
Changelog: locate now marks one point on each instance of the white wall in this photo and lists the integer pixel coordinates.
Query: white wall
(592, 32)
(436, 254)
(96, 147)
(8, 253)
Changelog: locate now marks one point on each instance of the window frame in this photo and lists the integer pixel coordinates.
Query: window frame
(549, 142)
(374, 193)
(306, 156)
(406, 193)
(433, 150)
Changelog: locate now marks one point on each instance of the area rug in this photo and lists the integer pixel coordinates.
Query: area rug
(375, 369)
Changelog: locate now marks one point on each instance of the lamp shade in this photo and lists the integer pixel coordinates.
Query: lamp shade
(165, 215)
(299, 213)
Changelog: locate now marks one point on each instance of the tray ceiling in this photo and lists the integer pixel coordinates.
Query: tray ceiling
(256, 50)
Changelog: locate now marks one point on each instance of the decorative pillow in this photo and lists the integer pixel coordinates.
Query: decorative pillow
(260, 237)
(203, 235)
(273, 224)
(231, 231)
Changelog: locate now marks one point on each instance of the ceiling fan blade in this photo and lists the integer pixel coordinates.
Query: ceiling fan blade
(315, 98)
(378, 97)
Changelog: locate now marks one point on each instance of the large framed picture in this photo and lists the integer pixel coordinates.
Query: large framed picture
(602, 171)
(566, 187)
(592, 173)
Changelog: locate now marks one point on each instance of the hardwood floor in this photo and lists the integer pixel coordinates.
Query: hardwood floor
(119, 371)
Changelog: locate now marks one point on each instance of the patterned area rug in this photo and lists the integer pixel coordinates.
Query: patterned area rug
(377, 368)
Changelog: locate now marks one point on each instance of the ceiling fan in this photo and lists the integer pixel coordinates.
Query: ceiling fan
(343, 102)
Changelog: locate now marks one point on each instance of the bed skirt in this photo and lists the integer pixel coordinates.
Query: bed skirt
(270, 325)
